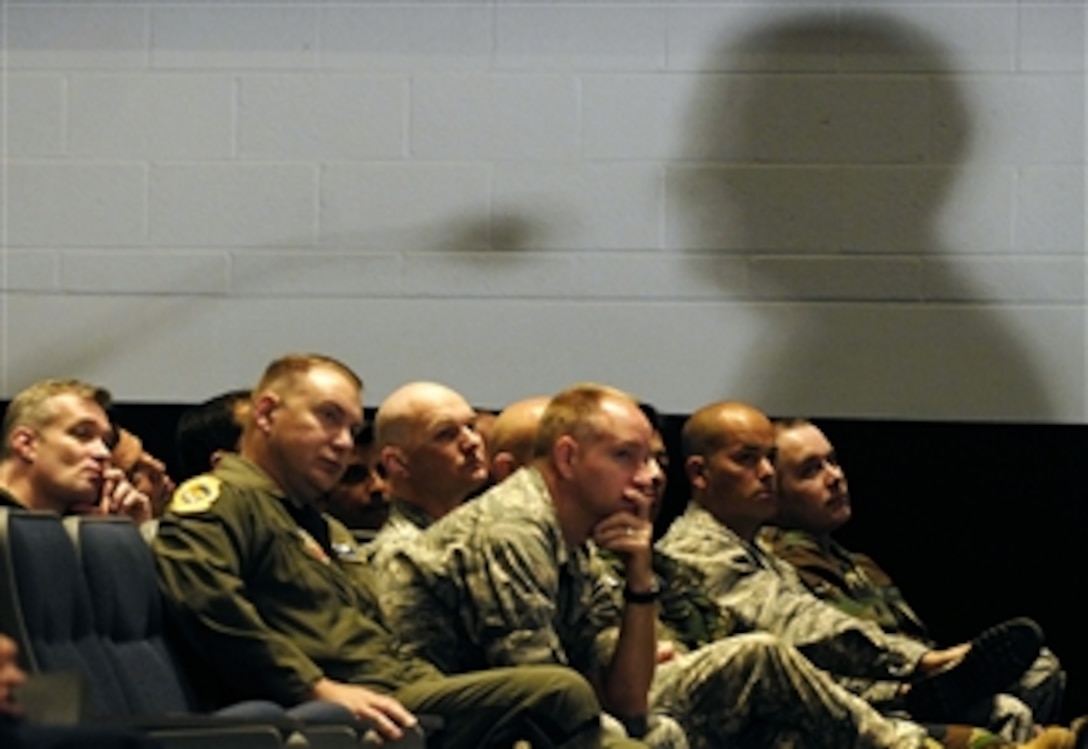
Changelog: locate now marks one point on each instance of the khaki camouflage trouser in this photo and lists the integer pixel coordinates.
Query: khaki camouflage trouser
(752, 690)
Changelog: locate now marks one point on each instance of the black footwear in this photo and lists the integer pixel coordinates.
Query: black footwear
(997, 658)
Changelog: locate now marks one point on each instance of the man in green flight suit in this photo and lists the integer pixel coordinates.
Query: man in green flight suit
(271, 594)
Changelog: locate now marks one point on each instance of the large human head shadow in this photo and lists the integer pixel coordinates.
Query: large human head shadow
(836, 145)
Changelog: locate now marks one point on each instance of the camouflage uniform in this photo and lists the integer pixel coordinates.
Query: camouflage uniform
(761, 593)
(268, 591)
(494, 583)
(405, 522)
(851, 582)
(689, 617)
(856, 584)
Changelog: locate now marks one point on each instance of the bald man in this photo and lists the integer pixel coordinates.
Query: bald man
(434, 458)
(729, 449)
(513, 435)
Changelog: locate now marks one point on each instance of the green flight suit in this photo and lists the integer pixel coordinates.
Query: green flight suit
(270, 593)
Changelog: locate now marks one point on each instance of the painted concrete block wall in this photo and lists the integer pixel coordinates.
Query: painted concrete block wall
(832, 209)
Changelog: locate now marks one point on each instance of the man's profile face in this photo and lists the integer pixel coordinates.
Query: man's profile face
(812, 490)
(615, 470)
(737, 480)
(311, 429)
(70, 453)
(446, 450)
(363, 488)
(146, 472)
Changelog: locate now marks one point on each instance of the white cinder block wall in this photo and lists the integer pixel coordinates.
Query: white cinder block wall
(831, 209)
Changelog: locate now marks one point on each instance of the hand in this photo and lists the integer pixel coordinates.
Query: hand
(933, 661)
(120, 497)
(11, 677)
(631, 538)
(388, 715)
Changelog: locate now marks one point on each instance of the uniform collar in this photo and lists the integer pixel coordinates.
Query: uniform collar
(238, 471)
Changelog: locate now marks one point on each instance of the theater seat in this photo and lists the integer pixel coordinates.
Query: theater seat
(46, 607)
(120, 574)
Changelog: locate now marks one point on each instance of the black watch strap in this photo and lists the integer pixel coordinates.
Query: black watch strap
(645, 596)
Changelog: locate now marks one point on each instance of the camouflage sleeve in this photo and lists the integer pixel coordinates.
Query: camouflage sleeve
(852, 583)
(881, 694)
(477, 603)
(418, 604)
(835, 581)
(820, 574)
(200, 562)
(686, 614)
(603, 610)
(765, 599)
(901, 617)
(513, 591)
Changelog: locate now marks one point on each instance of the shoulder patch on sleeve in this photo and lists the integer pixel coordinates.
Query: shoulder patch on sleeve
(195, 495)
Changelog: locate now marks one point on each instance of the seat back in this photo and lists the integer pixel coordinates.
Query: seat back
(46, 608)
(127, 607)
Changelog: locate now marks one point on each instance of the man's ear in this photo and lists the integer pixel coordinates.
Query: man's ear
(695, 468)
(503, 464)
(264, 405)
(394, 461)
(565, 455)
(24, 443)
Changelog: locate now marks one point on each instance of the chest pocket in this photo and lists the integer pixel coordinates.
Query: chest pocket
(298, 573)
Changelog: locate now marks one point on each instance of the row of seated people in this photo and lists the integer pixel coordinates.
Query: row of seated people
(542, 605)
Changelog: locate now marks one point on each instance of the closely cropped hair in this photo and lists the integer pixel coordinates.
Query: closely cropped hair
(576, 412)
(652, 415)
(785, 425)
(701, 435)
(781, 426)
(282, 372)
(32, 406)
(213, 425)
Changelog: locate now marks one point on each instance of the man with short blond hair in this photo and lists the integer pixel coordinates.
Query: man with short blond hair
(55, 453)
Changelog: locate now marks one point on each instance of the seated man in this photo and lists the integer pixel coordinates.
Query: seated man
(208, 430)
(513, 577)
(728, 458)
(55, 454)
(513, 436)
(814, 502)
(269, 591)
(432, 455)
(360, 500)
(684, 616)
(145, 472)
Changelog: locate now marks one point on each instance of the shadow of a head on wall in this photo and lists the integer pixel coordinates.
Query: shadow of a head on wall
(826, 151)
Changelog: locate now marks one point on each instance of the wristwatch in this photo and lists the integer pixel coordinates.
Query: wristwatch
(642, 596)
